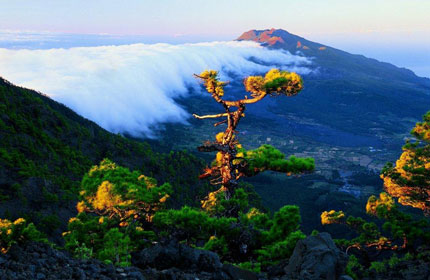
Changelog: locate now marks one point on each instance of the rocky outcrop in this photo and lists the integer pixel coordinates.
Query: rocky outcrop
(316, 257)
(39, 261)
(172, 261)
(176, 255)
(179, 261)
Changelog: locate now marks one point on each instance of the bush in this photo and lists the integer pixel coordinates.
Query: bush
(17, 232)
(115, 191)
(253, 236)
(100, 237)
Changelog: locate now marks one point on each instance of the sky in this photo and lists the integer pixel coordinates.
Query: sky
(220, 18)
(396, 31)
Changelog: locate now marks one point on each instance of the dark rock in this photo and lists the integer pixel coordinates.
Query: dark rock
(176, 255)
(15, 252)
(277, 270)
(136, 275)
(416, 270)
(180, 262)
(237, 273)
(316, 257)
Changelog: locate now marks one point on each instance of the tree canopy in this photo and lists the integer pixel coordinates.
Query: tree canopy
(409, 178)
(115, 191)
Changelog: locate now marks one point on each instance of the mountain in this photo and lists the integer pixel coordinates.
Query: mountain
(45, 149)
(333, 62)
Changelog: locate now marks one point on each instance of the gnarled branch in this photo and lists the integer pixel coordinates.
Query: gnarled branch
(210, 116)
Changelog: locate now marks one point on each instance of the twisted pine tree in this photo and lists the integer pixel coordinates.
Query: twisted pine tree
(232, 160)
(409, 179)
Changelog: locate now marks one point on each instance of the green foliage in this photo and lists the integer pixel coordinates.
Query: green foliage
(101, 237)
(396, 227)
(251, 266)
(266, 157)
(278, 82)
(284, 222)
(409, 178)
(216, 244)
(267, 239)
(116, 247)
(379, 267)
(399, 233)
(279, 250)
(353, 266)
(82, 252)
(18, 232)
(280, 238)
(238, 203)
(393, 261)
(109, 189)
(188, 223)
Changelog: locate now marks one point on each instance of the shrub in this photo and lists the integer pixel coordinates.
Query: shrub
(17, 232)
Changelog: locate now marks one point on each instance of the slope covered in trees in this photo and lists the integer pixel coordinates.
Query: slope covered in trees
(46, 148)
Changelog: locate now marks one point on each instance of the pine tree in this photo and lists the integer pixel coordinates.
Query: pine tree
(232, 160)
(409, 178)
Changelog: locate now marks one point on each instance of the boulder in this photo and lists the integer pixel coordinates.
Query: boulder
(238, 274)
(39, 261)
(316, 257)
(176, 255)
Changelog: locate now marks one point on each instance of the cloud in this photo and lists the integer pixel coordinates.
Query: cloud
(131, 88)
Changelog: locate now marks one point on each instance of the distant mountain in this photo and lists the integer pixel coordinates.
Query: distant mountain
(337, 61)
(45, 149)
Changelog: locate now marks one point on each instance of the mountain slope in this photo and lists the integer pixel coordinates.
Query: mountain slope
(45, 148)
(334, 61)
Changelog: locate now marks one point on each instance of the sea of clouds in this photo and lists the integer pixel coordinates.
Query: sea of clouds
(132, 88)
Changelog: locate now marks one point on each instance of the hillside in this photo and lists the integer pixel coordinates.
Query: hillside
(45, 148)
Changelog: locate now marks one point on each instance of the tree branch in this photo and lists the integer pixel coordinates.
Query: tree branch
(210, 116)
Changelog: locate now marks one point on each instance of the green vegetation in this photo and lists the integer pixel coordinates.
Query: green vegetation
(18, 232)
(409, 179)
(399, 233)
(46, 148)
(116, 192)
(130, 215)
(267, 157)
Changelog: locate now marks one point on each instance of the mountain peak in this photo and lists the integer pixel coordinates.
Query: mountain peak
(267, 36)
(280, 38)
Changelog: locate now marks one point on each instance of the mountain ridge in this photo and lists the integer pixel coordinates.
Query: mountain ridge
(282, 39)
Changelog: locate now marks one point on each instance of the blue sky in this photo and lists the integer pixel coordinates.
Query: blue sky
(221, 17)
(397, 31)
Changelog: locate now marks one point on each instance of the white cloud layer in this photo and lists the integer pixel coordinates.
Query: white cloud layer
(130, 88)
